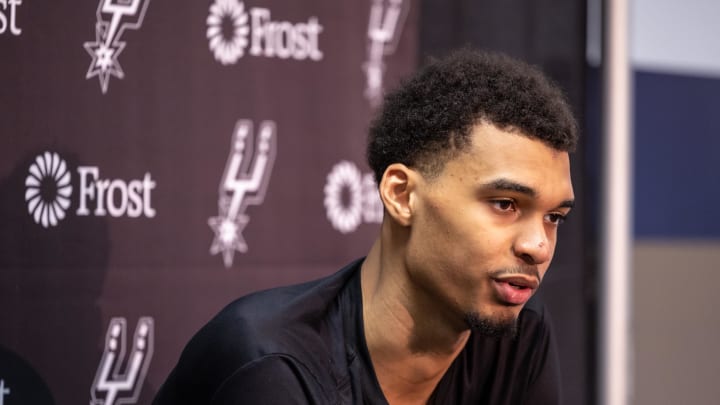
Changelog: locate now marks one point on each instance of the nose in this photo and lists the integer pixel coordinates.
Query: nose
(532, 244)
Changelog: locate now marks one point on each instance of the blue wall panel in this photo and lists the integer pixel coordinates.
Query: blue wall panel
(677, 156)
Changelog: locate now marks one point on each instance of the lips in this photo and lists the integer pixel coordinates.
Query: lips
(515, 290)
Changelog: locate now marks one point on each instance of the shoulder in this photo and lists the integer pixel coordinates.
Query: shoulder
(286, 328)
(272, 379)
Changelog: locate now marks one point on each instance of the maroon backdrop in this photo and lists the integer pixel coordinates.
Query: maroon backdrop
(161, 158)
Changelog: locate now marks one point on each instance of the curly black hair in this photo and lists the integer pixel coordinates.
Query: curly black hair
(430, 117)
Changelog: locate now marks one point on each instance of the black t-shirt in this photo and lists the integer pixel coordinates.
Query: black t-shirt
(305, 344)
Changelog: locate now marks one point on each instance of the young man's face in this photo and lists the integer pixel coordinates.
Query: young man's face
(484, 230)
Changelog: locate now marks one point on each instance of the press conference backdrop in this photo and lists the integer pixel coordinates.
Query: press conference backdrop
(162, 158)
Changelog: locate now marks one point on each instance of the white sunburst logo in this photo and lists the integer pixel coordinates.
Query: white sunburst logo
(228, 30)
(48, 189)
(361, 202)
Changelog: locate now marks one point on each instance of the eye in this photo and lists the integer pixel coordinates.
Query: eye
(555, 219)
(504, 205)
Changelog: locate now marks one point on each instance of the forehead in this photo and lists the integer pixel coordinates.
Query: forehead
(495, 153)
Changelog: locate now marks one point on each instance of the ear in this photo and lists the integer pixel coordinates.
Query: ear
(397, 188)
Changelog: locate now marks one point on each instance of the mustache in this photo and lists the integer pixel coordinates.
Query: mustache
(531, 271)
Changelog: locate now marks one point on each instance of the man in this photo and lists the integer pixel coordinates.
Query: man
(471, 160)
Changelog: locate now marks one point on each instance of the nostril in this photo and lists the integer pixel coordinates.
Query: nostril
(527, 258)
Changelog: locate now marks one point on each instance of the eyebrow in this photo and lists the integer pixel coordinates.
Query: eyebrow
(509, 185)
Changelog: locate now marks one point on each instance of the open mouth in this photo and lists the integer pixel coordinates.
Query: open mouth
(514, 290)
(518, 286)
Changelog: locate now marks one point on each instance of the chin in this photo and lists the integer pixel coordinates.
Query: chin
(495, 326)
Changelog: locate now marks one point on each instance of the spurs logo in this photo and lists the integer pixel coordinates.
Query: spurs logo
(111, 385)
(363, 202)
(387, 18)
(113, 18)
(4, 390)
(244, 182)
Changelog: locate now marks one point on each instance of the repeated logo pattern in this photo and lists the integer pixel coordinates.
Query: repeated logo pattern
(231, 30)
(8, 22)
(387, 18)
(48, 192)
(112, 385)
(227, 48)
(52, 186)
(4, 390)
(48, 189)
(362, 203)
(113, 18)
(244, 182)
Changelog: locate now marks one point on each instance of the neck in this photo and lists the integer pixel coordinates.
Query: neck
(411, 342)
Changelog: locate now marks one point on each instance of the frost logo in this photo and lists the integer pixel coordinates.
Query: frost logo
(244, 182)
(351, 198)
(387, 18)
(114, 197)
(113, 18)
(231, 30)
(48, 189)
(12, 25)
(227, 46)
(111, 385)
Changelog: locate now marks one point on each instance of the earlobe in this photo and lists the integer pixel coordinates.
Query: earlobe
(397, 188)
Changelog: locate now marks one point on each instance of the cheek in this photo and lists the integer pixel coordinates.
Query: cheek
(461, 240)
(468, 242)
(437, 245)
(429, 244)
(552, 240)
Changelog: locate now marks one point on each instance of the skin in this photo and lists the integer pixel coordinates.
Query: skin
(445, 242)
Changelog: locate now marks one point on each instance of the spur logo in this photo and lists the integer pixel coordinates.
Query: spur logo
(4, 390)
(351, 198)
(112, 385)
(113, 18)
(48, 192)
(387, 18)
(231, 29)
(244, 182)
